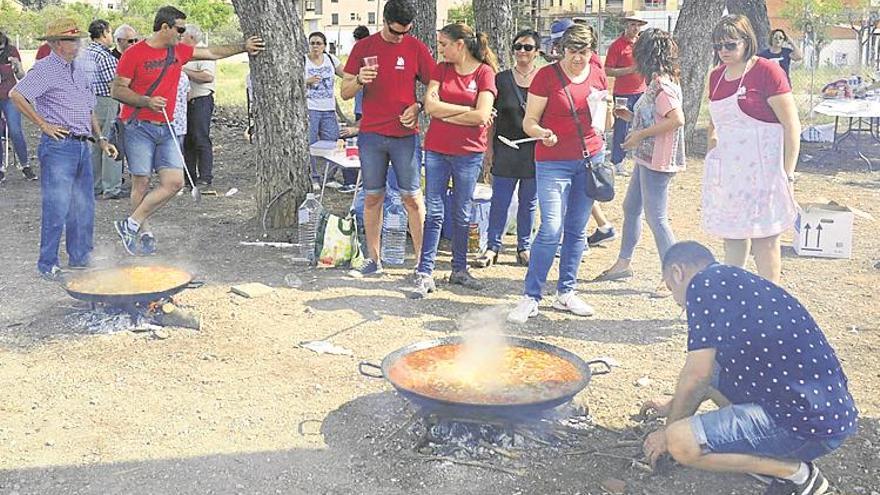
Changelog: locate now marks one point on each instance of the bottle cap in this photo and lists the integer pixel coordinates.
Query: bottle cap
(310, 195)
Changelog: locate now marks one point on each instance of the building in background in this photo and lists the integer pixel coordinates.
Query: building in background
(101, 4)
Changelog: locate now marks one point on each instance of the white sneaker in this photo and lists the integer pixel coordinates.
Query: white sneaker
(620, 169)
(525, 309)
(573, 304)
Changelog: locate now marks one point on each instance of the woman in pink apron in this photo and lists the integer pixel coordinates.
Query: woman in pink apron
(754, 140)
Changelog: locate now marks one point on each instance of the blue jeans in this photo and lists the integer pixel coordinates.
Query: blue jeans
(464, 170)
(565, 207)
(68, 201)
(323, 126)
(502, 193)
(648, 192)
(376, 151)
(621, 128)
(391, 188)
(748, 429)
(149, 147)
(13, 123)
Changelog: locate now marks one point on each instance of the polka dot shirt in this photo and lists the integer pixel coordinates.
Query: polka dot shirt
(769, 351)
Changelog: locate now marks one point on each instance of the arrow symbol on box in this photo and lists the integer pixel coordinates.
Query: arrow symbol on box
(807, 229)
(818, 234)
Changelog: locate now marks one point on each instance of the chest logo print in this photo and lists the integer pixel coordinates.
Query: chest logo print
(400, 63)
(472, 86)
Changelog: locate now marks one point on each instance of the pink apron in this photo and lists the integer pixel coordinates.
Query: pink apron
(746, 194)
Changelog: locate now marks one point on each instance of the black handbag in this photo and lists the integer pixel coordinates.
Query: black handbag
(116, 136)
(600, 177)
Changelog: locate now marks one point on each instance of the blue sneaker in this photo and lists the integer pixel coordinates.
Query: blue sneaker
(53, 275)
(128, 236)
(600, 237)
(148, 245)
(370, 268)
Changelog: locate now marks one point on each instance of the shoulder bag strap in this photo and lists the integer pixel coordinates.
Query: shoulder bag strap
(572, 108)
(169, 59)
(519, 97)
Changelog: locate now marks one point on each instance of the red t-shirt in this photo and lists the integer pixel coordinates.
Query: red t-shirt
(43, 51)
(557, 114)
(142, 64)
(619, 56)
(765, 79)
(454, 139)
(394, 89)
(7, 74)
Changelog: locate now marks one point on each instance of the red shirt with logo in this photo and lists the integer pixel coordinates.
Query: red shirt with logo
(557, 114)
(620, 56)
(142, 64)
(394, 88)
(765, 79)
(455, 139)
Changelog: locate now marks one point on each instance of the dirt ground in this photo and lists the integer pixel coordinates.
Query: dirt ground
(238, 407)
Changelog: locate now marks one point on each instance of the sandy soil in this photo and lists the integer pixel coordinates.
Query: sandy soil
(238, 407)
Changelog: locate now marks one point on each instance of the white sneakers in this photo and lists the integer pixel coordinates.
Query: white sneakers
(570, 302)
(573, 304)
(525, 309)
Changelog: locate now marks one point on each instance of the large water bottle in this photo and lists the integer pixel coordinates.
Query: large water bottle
(308, 215)
(394, 226)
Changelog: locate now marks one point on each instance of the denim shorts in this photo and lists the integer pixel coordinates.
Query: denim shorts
(376, 151)
(748, 429)
(150, 147)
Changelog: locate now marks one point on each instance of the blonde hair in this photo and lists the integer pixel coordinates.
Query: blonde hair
(579, 35)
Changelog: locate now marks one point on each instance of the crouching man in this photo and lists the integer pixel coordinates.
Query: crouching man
(759, 355)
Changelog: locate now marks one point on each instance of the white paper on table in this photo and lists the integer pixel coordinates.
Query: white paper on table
(597, 100)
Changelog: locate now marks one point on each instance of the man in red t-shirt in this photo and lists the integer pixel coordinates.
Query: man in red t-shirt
(628, 83)
(150, 143)
(386, 66)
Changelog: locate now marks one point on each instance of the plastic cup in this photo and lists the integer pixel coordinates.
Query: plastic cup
(372, 62)
(619, 102)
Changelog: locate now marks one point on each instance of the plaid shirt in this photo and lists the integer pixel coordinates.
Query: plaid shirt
(103, 68)
(61, 93)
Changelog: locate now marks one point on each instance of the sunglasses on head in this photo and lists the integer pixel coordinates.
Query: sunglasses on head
(521, 46)
(396, 32)
(729, 46)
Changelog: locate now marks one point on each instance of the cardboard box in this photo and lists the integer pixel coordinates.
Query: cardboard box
(824, 231)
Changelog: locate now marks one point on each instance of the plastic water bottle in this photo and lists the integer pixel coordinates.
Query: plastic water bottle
(308, 215)
(394, 225)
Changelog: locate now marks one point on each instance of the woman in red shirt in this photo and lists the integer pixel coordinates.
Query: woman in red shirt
(459, 100)
(754, 141)
(560, 168)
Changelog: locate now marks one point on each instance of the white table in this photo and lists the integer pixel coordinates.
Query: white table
(863, 115)
(329, 151)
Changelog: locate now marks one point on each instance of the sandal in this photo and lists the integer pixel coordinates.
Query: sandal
(522, 257)
(487, 259)
(608, 275)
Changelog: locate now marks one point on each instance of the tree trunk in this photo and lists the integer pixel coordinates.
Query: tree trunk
(693, 34)
(280, 114)
(756, 11)
(425, 29)
(495, 18)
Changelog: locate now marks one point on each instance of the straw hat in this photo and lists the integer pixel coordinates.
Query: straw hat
(62, 29)
(632, 17)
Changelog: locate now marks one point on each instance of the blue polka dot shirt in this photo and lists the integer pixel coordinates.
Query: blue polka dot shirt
(769, 351)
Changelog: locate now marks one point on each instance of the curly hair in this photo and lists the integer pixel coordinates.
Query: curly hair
(656, 53)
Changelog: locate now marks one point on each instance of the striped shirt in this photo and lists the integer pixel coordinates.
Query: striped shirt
(103, 68)
(61, 93)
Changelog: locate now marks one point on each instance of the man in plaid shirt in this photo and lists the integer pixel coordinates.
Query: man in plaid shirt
(107, 171)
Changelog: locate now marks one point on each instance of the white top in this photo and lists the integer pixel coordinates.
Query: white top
(202, 89)
(320, 96)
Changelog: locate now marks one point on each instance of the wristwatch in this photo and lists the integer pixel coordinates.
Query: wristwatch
(102, 138)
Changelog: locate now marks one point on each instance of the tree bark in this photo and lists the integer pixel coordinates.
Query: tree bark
(425, 29)
(280, 115)
(693, 34)
(495, 18)
(756, 11)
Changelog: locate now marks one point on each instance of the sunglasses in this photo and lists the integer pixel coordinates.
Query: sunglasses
(729, 46)
(130, 40)
(520, 46)
(316, 43)
(180, 29)
(396, 32)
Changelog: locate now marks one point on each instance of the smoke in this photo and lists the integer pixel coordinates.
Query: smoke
(482, 353)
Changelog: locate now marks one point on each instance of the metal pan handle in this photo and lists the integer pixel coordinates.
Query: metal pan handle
(601, 371)
(363, 366)
(195, 284)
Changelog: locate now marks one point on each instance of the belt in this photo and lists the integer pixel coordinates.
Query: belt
(80, 138)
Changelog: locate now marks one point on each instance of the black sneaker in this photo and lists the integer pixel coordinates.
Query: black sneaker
(423, 284)
(599, 237)
(465, 279)
(148, 245)
(28, 173)
(816, 484)
(53, 275)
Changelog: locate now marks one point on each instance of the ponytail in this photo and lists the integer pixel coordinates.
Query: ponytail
(479, 48)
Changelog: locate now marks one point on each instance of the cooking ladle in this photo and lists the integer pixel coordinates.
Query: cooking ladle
(196, 194)
(515, 143)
